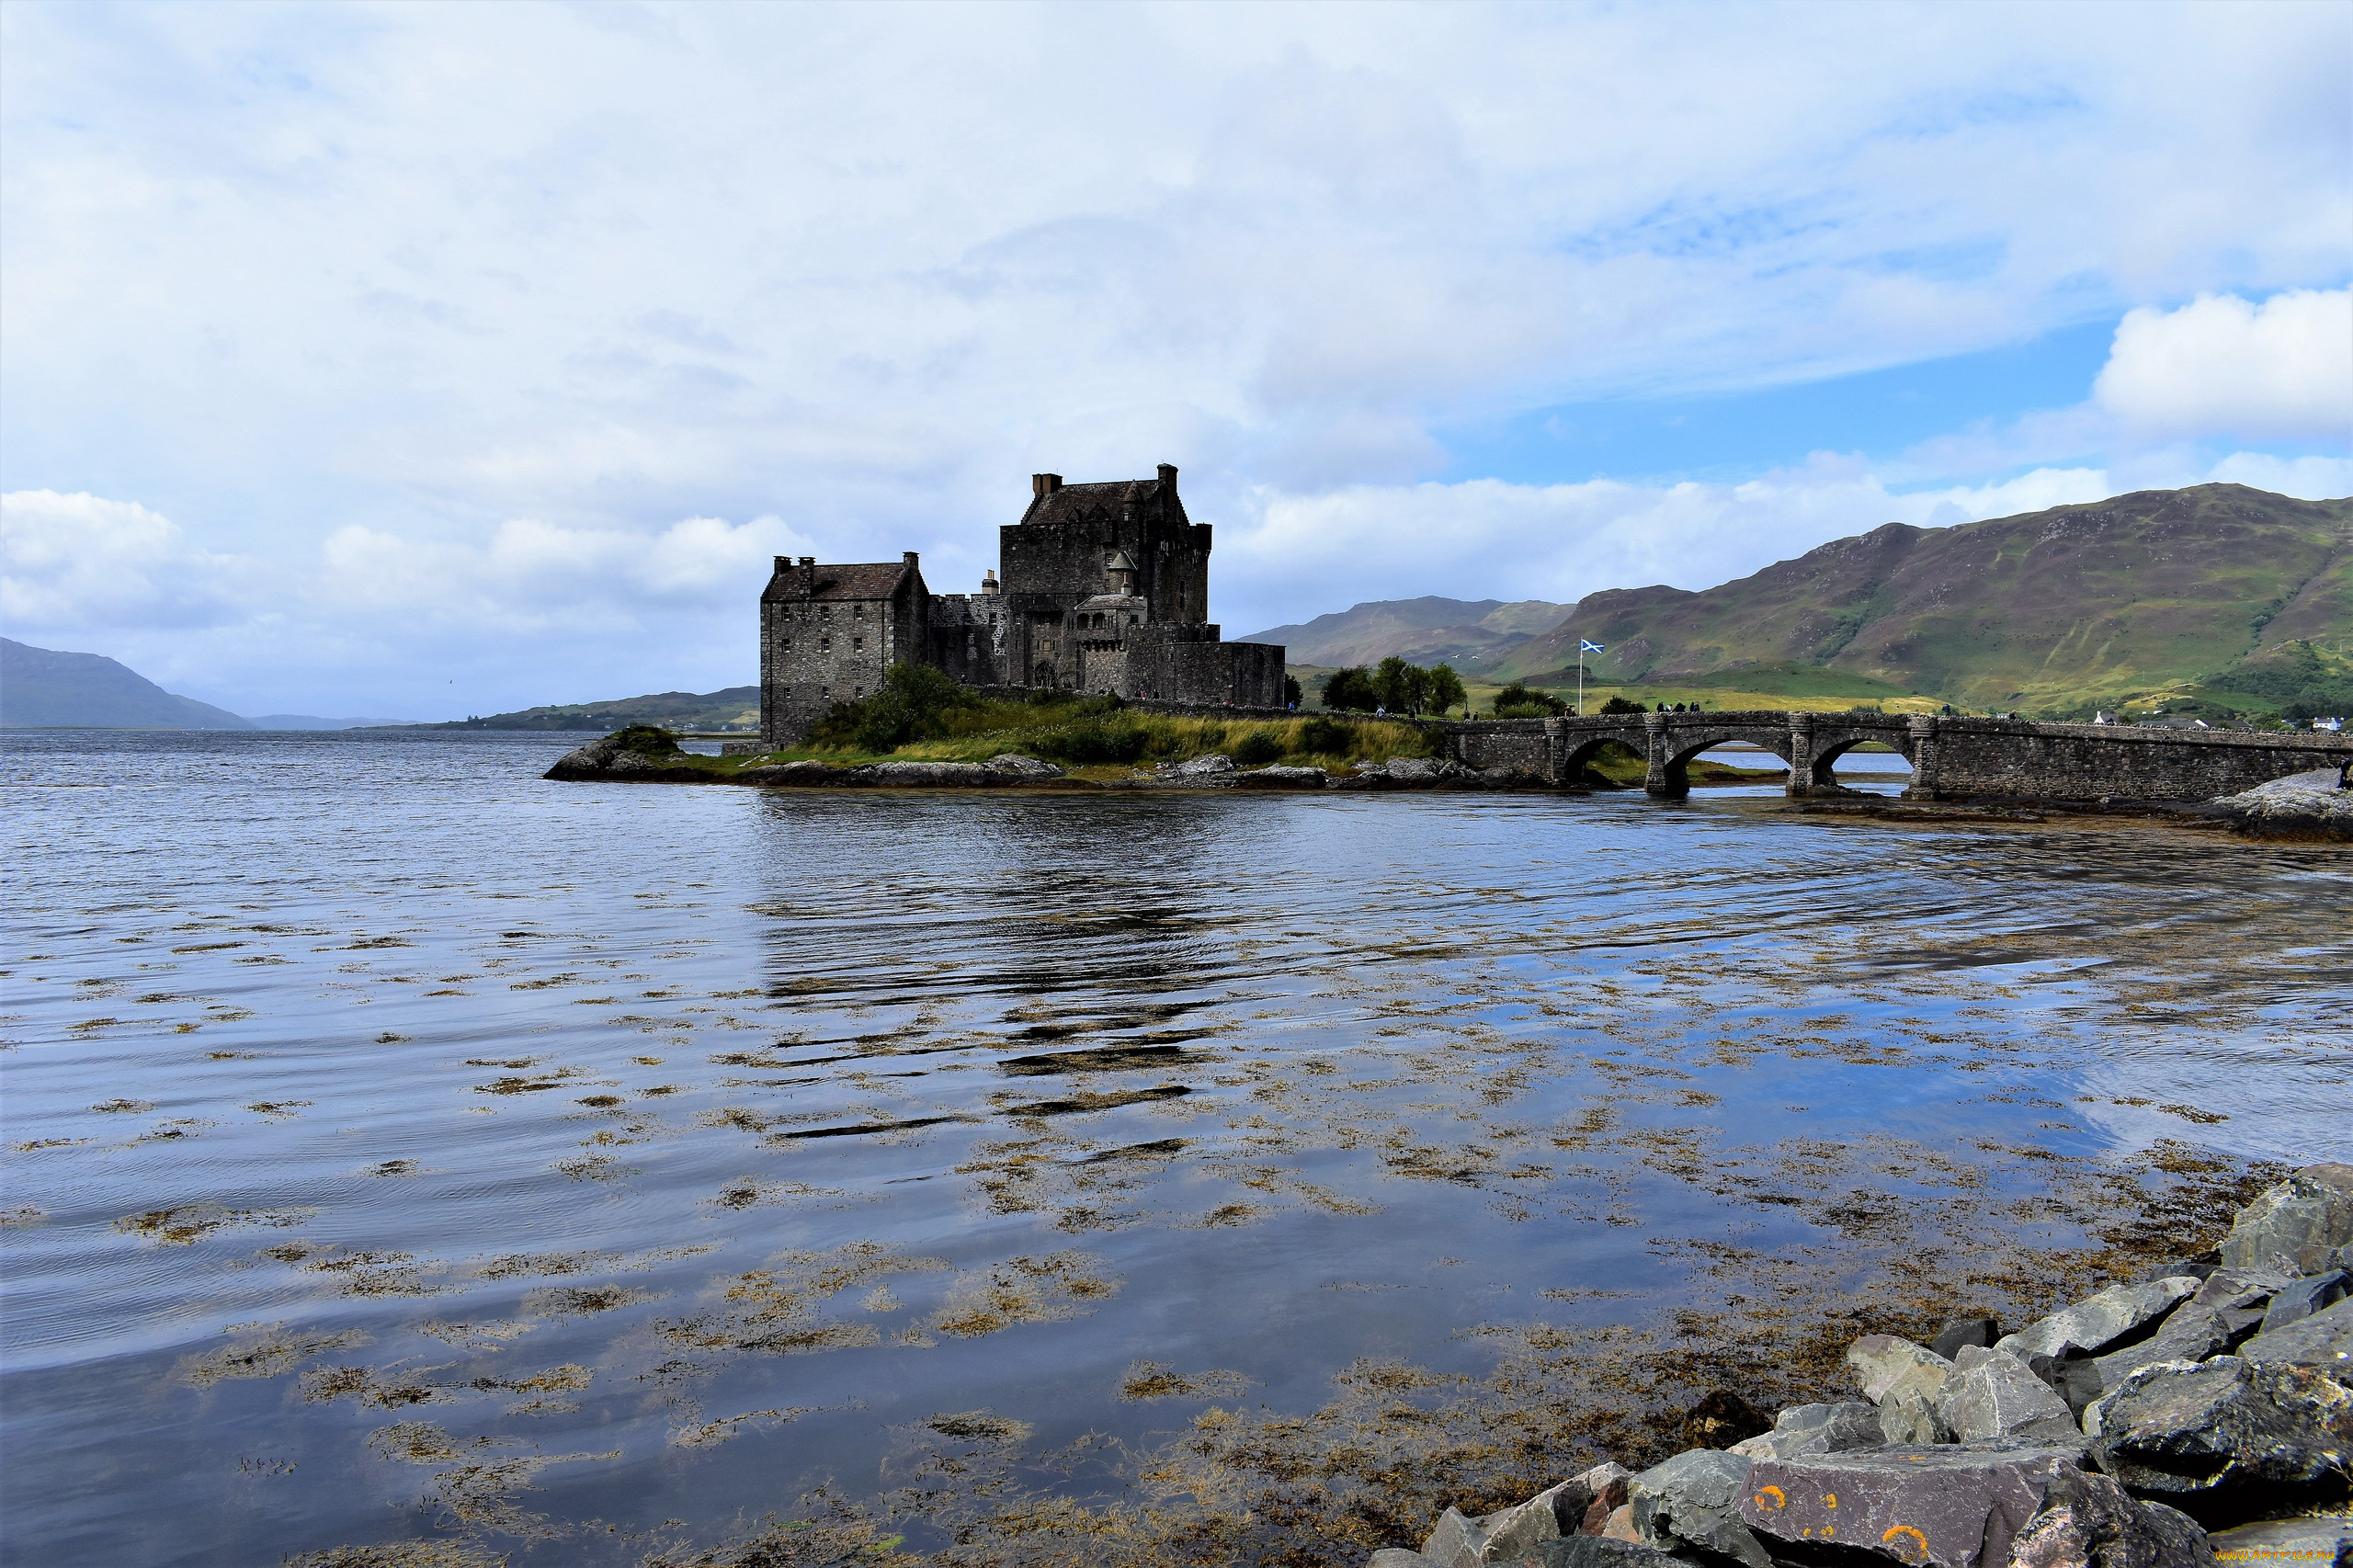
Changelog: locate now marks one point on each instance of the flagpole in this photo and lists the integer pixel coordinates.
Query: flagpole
(1580, 677)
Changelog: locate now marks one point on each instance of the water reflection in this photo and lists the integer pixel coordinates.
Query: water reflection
(401, 1139)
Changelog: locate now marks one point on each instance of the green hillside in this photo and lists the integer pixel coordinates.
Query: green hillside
(43, 687)
(2219, 591)
(736, 706)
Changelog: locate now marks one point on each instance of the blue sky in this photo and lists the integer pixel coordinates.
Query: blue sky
(427, 359)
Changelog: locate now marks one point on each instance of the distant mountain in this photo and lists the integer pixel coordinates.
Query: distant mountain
(737, 706)
(43, 687)
(2217, 587)
(1467, 633)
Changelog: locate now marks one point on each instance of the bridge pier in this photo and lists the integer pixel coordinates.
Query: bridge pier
(1662, 779)
(1922, 730)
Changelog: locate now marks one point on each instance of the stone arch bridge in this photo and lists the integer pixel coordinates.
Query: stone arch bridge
(1951, 758)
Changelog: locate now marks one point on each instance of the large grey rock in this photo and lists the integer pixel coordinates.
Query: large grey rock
(1880, 1361)
(1509, 1534)
(1691, 1502)
(2322, 1543)
(2302, 805)
(2303, 1298)
(2228, 1427)
(2307, 1216)
(1958, 1331)
(1013, 765)
(2088, 1521)
(1282, 778)
(1804, 1429)
(1198, 767)
(1991, 1394)
(1597, 1551)
(2092, 1325)
(801, 775)
(1397, 1557)
(1455, 1541)
(1607, 1487)
(2323, 1339)
(909, 774)
(2227, 1307)
(1951, 1506)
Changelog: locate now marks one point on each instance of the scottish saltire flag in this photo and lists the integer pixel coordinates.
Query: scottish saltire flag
(1586, 647)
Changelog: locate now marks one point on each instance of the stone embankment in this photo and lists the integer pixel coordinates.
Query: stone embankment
(2215, 1395)
(2302, 805)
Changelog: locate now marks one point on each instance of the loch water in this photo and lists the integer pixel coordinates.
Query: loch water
(403, 1148)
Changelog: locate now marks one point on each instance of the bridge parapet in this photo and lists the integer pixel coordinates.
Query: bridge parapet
(1951, 758)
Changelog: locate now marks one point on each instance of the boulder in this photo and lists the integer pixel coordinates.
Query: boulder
(2227, 1307)
(2088, 1521)
(1607, 1486)
(1620, 1524)
(1949, 1506)
(2307, 1216)
(2302, 1297)
(1397, 1557)
(1282, 778)
(2322, 1339)
(1991, 1393)
(1013, 765)
(1721, 1419)
(1509, 1534)
(803, 775)
(2326, 1543)
(1880, 1361)
(1690, 1505)
(2093, 1324)
(1455, 1540)
(1597, 1551)
(2229, 1430)
(1804, 1429)
(1204, 767)
(1959, 1332)
(2076, 1379)
(910, 774)
(2302, 805)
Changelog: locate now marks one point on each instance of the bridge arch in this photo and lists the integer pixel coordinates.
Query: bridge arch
(1830, 743)
(1675, 751)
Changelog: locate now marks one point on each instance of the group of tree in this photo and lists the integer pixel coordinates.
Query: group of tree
(1396, 687)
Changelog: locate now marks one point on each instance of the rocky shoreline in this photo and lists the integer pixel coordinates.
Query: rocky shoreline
(2302, 805)
(611, 759)
(2201, 1415)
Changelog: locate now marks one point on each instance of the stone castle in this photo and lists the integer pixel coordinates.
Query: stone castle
(1105, 589)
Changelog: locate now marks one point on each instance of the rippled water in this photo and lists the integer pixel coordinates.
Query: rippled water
(380, 1113)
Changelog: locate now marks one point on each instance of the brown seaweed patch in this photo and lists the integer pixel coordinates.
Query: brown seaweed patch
(326, 1384)
(516, 1083)
(581, 1300)
(191, 1221)
(485, 1336)
(1148, 1381)
(22, 1214)
(978, 1426)
(710, 1434)
(1024, 1289)
(400, 1554)
(124, 1108)
(518, 1265)
(29, 1147)
(272, 1355)
(862, 1128)
(1086, 1100)
(776, 1310)
(601, 1102)
(1103, 1059)
(377, 1273)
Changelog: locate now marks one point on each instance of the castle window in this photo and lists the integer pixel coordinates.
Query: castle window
(857, 641)
(784, 643)
(825, 643)
(858, 610)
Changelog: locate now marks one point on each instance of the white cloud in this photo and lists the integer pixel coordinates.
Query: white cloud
(2221, 366)
(82, 560)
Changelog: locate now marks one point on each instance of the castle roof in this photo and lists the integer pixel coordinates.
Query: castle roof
(878, 580)
(1086, 503)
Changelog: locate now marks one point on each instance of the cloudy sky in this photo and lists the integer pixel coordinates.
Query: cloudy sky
(427, 360)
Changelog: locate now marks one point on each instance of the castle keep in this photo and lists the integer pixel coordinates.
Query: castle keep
(1106, 589)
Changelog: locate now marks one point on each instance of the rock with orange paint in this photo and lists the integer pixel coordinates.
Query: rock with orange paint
(1944, 1506)
(2088, 1521)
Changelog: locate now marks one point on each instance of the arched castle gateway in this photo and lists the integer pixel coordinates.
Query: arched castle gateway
(1106, 589)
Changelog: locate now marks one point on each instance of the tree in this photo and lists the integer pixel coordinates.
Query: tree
(1518, 701)
(1292, 695)
(1401, 688)
(1620, 704)
(1445, 689)
(1351, 691)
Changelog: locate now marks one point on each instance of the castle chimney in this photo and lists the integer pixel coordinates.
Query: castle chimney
(808, 561)
(988, 581)
(908, 556)
(1045, 484)
(1168, 475)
